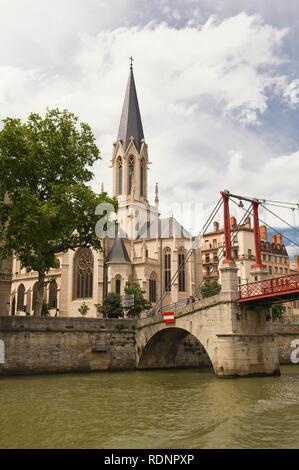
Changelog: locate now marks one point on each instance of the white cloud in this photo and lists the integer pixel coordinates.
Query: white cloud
(291, 92)
(202, 92)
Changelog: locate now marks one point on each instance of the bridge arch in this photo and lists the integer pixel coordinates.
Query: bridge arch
(173, 347)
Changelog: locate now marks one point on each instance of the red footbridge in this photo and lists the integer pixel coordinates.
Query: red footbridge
(271, 291)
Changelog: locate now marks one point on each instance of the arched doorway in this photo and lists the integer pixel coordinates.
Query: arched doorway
(13, 306)
(53, 295)
(173, 348)
(21, 297)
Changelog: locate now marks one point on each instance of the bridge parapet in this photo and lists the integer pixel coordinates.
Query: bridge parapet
(182, 310)
(238, 339)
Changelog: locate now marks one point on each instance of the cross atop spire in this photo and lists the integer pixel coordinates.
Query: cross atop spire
(131, 63)
(130, 121)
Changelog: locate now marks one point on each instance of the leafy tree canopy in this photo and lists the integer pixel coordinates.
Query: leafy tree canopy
(277, 311)
(210, 288)
(45, 167)
(111, 307)
(140, 302)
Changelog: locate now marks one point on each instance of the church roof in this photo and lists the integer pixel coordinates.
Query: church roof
(118, 252)
(130, 121)
(168, 228)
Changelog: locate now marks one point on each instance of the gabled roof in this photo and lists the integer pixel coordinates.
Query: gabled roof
(167, 228)
(130, 121)
(118, 252)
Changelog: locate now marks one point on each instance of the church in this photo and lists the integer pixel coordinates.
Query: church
(147, 249)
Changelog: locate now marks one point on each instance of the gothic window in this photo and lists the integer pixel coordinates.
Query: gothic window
(21, 297)
(13, 306)
(153, 288)
(182, 273)
(119, 176)
(131, 173)
(167, 269)
(142, 177)
(53, 294)
(118, 285)
(34, 295)
(83, 274)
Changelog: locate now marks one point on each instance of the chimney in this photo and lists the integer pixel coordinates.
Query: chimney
(264, 233)
(296, 261)
(279, 239)
(233, 222)
(274, 238)
(248, 222)
(216, 226)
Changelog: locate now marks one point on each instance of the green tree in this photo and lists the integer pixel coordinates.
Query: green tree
(111, 307)
(140, 302)
(45, 167)
(83, 309)
(277, 311)
(210, 288)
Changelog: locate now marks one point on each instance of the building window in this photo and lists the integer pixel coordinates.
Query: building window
(167, 270)
(21, 297)
(118, 285)
(131, 173)
(270, 270)
(34, 296)
(153, 288)
(119, 176)
(53, 294)
(142, 178)
(207, 258)
(182, 274)
(83, 274)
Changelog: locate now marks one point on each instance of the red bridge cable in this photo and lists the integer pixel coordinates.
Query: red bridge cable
(214, 212)
(282, 220)
(269, 226)
(248, 212)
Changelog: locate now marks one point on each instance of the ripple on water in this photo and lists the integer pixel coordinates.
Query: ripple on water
(151, 409)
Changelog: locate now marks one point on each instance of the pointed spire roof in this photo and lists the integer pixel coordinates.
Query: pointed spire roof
(130, 121)
(118, 252)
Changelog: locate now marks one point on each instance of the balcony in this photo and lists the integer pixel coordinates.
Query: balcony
(7, 277)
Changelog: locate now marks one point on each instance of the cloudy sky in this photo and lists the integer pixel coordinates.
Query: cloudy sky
(218, 86)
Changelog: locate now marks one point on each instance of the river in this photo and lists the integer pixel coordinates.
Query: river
(150, 409)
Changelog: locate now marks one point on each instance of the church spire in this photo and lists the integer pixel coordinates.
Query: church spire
(130, 121)
(157, 196)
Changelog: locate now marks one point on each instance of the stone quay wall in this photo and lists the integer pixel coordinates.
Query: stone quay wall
(286, 334)
(57, 345)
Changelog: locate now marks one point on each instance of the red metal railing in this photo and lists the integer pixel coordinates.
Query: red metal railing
(270, 287)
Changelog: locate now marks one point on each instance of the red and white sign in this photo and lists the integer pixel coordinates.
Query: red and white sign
(168, 317)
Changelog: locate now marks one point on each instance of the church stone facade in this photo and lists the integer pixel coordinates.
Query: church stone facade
(147, 249)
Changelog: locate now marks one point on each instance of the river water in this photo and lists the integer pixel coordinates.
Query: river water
(150, 409)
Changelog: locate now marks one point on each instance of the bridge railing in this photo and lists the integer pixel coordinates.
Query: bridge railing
(174, 307)
(269, 287)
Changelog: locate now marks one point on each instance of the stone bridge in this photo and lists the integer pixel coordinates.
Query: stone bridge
(238, 339)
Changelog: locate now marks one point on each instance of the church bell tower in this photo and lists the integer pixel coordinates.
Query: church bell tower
(130, 156)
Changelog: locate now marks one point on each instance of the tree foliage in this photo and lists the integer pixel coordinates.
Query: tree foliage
(45, 167)
(210, 288)
(277, 311)
(140, 302)
(111, 307)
